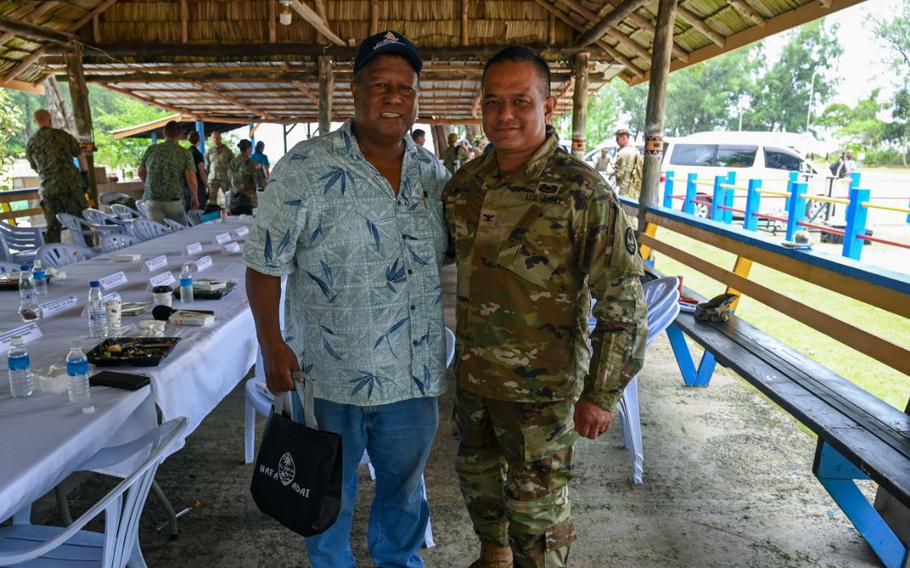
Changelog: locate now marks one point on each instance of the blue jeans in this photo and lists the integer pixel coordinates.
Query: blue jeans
(398, 438)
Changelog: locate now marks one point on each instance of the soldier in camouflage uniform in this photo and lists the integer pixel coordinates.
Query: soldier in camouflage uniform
(166, 169)
(217, 159)
(50, 152)
(246, 176)
(627, 164)
(455, 155)
(536, 233)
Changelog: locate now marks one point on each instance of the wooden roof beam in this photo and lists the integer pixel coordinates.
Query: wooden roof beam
(610, 21)
(614, 33)
(33, 15)
(184, 21)
(233, 100)
(617, 56)
(694, 20)
(41, 33)
(147, 100)
(303, 88)
(273, 17)
(465, 4)
(747, 12)
(97, 11)
(316, 21)
(374, 17)
(646, 26)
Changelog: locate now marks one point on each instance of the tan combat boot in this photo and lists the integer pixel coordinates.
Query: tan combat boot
(493, 557)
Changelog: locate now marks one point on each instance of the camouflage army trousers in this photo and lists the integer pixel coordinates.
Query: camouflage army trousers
(514, 464)
(72, 202)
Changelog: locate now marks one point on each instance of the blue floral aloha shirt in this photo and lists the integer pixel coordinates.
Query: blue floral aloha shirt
(363, 303)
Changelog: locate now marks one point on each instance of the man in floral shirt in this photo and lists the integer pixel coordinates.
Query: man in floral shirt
(354, 221)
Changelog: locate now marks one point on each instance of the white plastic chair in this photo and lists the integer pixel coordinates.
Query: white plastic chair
(174, 225)
(142, 208)
(110, 243)
(58, 254)
(662, 298)
(21, 243)
(82, 233)
(101, 221)
(124, 212)
(194, 217)
(38, 546)
(146, 229)
(9, 267)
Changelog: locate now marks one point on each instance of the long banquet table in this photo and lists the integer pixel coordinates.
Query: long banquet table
(203, 368)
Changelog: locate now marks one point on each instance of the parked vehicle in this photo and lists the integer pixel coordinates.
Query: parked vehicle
(752, 155)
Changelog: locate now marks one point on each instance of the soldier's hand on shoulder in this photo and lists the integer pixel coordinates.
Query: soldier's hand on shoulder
(591, 420)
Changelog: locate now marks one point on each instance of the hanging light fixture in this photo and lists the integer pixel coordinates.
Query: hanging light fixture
(284, 17)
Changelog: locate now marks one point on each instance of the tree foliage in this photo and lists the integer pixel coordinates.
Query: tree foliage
(10, 126)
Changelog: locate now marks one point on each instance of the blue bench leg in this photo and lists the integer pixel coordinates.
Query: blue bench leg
(837, 475)
(692, 377)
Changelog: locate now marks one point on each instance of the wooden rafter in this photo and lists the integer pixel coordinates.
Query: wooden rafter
(646, 26)
(610, 21)
(147, 100)
(97, 11)
(695, 21)
(374, 17)
(614, 33)
(303, 88)
(273, 23)
(33, 16)
(465, 32)
(317, 20)
(608, 49)
(41, 33)
(747, 12)
(208, 88)
(184, 21)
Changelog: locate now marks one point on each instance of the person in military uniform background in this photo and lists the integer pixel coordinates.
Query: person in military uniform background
(246, 176)
(166, 168)
(50, 152)
(627, 165)
(217, 159)
(455, 155)
(535, 233)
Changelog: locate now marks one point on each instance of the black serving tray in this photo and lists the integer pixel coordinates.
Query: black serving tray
(209, 294)
(137, 351)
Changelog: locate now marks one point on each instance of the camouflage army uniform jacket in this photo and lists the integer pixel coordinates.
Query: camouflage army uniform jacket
(627, 165)
(217, 160)
(245, 175)
(166, 163)
(531, 251)
(50, 152)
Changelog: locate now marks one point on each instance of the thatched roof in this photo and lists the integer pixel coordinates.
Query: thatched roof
(230, 60)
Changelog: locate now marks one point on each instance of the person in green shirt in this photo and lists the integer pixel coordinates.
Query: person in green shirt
(165, 168)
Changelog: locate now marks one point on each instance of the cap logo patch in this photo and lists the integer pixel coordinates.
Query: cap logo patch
(389, 38)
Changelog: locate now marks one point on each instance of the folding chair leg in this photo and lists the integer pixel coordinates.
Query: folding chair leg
(168, 508)
(632, 429)
(63, 506)
(837, 475)
(249, 431)
(692, 377)
(620, 418)
(136, 559)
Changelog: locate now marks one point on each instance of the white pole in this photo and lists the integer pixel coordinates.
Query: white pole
(811, 95)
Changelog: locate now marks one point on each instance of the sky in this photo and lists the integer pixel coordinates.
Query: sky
(858, 67)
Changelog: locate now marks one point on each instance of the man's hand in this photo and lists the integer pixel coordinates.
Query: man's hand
(194, 201)
(280, 361)
(591, 420)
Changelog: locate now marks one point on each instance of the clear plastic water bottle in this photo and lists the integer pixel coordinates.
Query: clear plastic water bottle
(39, 277)
(28, 296)
(186, 285)
(77, 370)
(21, 383)
(97, 317)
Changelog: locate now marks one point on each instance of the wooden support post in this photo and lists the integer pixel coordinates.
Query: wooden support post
(326, 90)
(82, 115)
(654, 114)
(580, 104)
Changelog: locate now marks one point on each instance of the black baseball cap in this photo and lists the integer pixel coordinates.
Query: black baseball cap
(387, 43)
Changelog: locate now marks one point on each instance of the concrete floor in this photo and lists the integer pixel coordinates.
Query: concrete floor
(728, 482)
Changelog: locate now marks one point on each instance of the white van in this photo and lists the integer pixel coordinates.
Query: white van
(752, 155)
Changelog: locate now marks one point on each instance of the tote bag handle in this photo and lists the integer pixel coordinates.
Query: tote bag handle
(291, 402)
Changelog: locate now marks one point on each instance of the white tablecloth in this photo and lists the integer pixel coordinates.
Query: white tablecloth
(203, 368)
(45, 438)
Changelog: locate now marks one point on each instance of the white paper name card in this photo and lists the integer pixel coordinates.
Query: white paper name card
(223, 238)
(233, 248)
(29, 332)
(156, 263)
(113, 281)
(242, 232)
(163, 279)
(54, 307)
(202, 264)
(194, 248)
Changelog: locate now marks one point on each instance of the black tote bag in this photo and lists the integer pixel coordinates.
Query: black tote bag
(297, 474)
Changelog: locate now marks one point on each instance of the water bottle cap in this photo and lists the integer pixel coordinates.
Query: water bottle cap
(94, 284)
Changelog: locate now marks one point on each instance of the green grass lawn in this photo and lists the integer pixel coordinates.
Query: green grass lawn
(884, 382)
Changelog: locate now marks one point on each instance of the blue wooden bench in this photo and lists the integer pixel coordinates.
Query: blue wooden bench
(859, 436)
